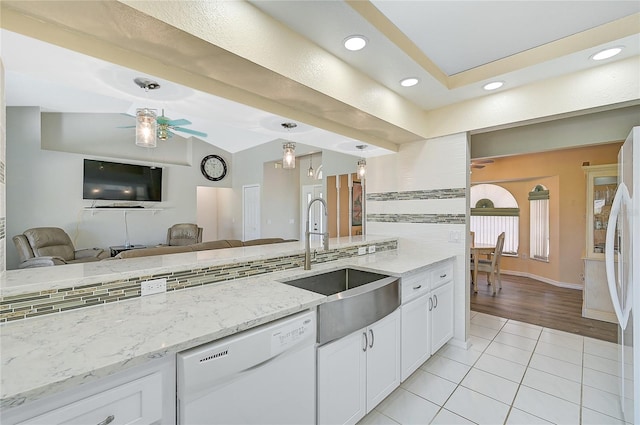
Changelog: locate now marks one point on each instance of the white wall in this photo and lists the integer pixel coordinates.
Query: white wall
(590, 129)
(3, 212)
(440, 163)
(280, 202)
(44, 188)
(207, 212)
(280, 188)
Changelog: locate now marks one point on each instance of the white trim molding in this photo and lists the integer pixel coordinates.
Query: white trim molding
(544, 279)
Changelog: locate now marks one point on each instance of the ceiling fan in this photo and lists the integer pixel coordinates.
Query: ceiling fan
(167, 126)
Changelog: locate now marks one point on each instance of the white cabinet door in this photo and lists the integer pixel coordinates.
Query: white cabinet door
(342, 380)
(383, 359)
(415, 335)
(138, 402)
(441, 316)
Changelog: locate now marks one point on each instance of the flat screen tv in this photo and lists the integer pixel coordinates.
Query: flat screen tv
(121, 182)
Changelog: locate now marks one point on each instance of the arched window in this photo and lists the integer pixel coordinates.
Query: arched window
(539, 223)
(494, 210)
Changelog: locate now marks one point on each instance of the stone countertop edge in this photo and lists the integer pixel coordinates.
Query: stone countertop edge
(20, 281)
(102, 340)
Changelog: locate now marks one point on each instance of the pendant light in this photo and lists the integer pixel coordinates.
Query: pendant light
(146, 127)
(289, 155)
(146, 119)
(362, 163)
(289, 148)
(310, 171)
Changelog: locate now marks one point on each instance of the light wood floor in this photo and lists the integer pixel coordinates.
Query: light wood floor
(539, 303)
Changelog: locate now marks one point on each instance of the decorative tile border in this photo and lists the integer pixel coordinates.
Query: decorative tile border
(418, 194)
(34, 304)
(417, 218)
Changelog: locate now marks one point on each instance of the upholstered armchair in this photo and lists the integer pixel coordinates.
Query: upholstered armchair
(184, 234)
(52, 246)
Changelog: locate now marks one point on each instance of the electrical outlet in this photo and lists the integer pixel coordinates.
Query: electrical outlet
(372, 249)
(155, 286)
(362, 250)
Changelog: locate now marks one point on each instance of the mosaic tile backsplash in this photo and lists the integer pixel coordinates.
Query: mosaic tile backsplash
(417, 195)
(418, 218)
(57, 300)
(414, 195)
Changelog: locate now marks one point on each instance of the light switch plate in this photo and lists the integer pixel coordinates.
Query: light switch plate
(372, 249)
(155, 286)
(362, 250)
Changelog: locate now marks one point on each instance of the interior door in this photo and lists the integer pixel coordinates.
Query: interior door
(250, 212)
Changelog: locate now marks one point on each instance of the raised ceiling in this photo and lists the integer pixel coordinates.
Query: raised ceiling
(237, 70)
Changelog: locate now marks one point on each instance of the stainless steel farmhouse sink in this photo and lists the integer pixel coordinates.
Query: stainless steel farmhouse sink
(356, 298)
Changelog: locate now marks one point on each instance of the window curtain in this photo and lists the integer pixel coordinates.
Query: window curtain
(539, 223)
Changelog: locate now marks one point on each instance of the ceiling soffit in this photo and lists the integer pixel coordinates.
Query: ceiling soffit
(615, 30)
(117, 33)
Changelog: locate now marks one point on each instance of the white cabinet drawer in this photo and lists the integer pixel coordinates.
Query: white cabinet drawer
(414, 285)
(136, 402)
(441, 274)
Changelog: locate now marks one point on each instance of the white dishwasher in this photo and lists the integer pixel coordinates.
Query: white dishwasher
(264, 375)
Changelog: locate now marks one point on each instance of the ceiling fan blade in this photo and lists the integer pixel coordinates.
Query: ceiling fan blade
(482, 161)
(181, 121)
(187, 130)
(126, 126)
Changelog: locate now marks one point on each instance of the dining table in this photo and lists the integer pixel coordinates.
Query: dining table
(477, 250)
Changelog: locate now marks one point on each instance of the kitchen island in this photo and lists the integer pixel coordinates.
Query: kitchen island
(43, 356)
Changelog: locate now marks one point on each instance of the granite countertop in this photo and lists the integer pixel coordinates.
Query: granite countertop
(15, 282)
(45, 355)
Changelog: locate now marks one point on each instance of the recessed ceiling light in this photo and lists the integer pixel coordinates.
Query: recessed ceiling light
(493, 85)
(409, 82)
(355, 42)
(606, 54)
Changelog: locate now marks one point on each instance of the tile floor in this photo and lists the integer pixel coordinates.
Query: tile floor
(514, 373)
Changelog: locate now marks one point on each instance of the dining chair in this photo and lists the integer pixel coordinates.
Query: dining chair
(492, 266)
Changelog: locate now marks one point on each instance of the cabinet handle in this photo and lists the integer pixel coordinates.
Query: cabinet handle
(435, 302)
(366, 341)
(430, 303)
(372, 338)
(107, 420)
(415, 288)
(442, 276)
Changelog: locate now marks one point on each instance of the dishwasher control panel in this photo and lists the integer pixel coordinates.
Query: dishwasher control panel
(290, 334)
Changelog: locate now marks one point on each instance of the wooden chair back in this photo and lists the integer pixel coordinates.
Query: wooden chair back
(497, 254)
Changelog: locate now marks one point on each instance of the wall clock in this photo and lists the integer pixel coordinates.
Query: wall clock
(213, 167)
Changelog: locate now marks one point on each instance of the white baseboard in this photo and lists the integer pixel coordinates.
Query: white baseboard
(605, 316)
(459, 343)
(544, 279)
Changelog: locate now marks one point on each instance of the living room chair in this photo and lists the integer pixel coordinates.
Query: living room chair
(52, 246)
(492, 265)
(183, 234)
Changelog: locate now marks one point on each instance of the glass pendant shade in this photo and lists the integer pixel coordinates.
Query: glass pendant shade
(146, 127)
(310, 171)
(289, 155)
(362, 167)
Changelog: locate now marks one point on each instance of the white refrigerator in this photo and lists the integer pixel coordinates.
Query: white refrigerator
(623, 275)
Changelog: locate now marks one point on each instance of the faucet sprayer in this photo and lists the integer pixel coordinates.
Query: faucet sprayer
(308, 233)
